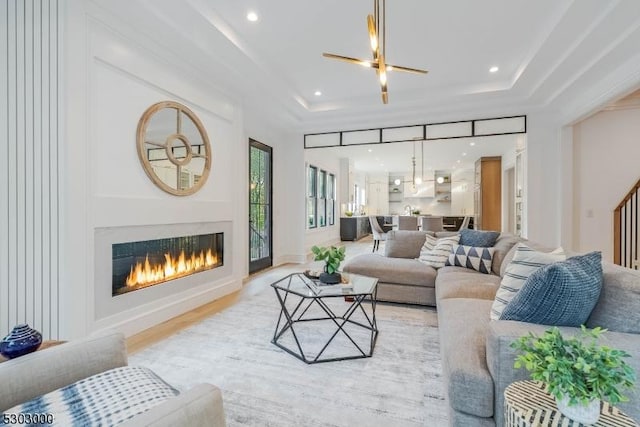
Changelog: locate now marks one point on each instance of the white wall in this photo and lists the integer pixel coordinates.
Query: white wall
(606, 149)
(542, 181)
(31, 147)
(113, 75)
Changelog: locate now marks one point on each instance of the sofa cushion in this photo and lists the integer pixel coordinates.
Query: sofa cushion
(617, 307)
(561, 294)
(437, 257)
(503, 245)
(465, 285)
(478, 259)
(392, 270)
(404, 244)
(478, 238)
(108, 398)
(463, 324)
(525, 262)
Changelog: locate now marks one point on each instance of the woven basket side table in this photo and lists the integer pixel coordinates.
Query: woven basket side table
(527, 404)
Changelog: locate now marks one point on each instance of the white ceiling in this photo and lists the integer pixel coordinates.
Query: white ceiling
(550, 53)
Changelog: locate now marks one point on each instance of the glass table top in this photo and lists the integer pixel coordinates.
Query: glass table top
(306, 287)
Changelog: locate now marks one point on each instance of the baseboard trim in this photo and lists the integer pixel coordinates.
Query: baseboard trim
(155, 316)
(289, 259)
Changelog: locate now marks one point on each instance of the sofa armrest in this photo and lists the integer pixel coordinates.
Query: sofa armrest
(199, 406)
(40, 372)
(501, 357)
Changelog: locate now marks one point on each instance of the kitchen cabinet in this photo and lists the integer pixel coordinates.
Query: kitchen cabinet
(354, 228)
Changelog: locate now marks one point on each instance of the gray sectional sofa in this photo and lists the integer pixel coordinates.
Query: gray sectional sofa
(476, 354)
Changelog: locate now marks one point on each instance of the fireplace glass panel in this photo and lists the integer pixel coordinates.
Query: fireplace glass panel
(137, 265)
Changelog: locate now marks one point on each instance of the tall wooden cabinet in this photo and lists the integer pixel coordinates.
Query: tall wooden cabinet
(487, 196)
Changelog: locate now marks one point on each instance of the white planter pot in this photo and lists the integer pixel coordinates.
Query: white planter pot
(584, 414)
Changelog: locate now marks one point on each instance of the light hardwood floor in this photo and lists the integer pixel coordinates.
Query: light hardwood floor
(253, 284)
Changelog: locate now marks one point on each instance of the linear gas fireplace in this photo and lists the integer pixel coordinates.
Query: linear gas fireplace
(138, 265)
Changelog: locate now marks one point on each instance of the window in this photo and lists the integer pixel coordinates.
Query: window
(331, 199)
(321, 197)
(312, 192)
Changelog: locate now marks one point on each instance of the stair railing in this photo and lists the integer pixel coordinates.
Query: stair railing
(625, 230)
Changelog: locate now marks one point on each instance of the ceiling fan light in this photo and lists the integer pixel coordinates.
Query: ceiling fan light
(382, 72)
(373, 37)
(383, 77)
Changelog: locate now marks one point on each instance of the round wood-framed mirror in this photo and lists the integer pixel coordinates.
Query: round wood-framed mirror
(174, 148)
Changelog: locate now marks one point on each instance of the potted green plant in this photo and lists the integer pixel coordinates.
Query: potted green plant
(332, 258)
(577, 372)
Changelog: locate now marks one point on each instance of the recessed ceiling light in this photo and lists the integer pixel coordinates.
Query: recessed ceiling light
(317, 93)
(252, 16)
(464, 154)
(472, 144)
(370, 150)
(493, 69)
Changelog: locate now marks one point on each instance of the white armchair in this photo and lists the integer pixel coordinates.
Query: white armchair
(378, 233)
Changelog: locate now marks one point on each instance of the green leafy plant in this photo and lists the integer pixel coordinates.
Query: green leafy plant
(332, 257)
(416, 212)
(575, 367)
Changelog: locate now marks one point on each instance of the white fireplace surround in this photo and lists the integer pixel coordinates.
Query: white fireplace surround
(128, 305)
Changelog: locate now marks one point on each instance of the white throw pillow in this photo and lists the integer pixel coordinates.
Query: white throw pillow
(525, 262)
(438, 255)
(429, 244)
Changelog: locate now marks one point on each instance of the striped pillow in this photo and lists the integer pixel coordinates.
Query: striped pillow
(525, 262)
(438, 255)
(429, 243)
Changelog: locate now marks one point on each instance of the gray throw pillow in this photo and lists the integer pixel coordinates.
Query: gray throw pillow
(559, 294)
(478, 238)
(404, 244)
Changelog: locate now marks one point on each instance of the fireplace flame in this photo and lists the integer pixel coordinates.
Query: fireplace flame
(145, 273)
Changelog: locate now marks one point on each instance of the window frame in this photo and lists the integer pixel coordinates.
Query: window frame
(312, 199)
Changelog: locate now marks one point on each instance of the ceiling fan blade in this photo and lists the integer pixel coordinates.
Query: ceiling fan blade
(361, 62)
(385, 93)
(405, 69)
(373, 36)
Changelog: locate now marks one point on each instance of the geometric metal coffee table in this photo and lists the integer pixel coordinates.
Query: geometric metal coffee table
(297, 294)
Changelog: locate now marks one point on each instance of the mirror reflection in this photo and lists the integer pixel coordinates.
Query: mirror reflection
(174, 148)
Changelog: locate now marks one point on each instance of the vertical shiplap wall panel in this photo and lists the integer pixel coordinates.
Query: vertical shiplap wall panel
(29, 164)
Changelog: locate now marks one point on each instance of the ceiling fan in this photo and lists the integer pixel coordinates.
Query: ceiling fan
(378, 50)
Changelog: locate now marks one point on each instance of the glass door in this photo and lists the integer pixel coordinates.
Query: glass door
(260, 224)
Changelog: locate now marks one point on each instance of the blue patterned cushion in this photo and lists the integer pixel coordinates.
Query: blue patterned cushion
(108, 398)
(478, 259)
(559, 294)
(478, 238)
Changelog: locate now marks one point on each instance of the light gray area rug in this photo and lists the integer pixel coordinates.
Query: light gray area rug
(263, 385)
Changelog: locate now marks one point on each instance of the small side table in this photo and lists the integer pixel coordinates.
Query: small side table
(527, 404)
(45, 344)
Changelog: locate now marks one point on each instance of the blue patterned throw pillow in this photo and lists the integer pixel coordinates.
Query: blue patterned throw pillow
(478, 259)
(478, 238)
(559, 294)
